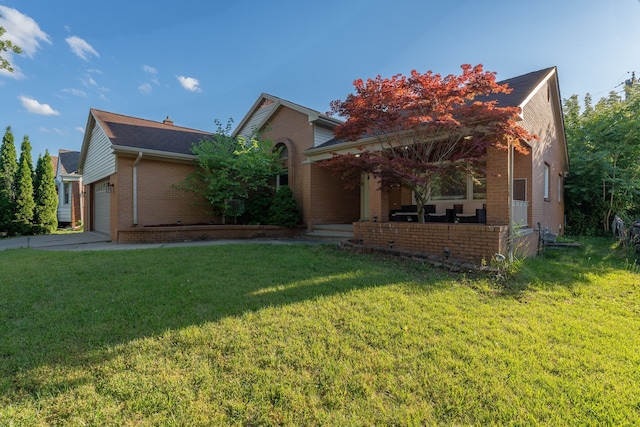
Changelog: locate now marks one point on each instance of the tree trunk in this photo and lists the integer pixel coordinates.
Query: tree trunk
(422, 195)
(607, 217)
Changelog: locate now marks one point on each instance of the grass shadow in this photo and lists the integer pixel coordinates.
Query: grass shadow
(73, 309)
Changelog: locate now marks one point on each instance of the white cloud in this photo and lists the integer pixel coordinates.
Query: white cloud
(52, 130)
(189, 83)
(89, 81)
(79, 129)
(145, 88)
(149, 69)
(22, 30)
(35, 107)
(81, 48)
(76, 92)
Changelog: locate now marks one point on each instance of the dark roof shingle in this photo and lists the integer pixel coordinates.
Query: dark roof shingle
(126, 131)
(69, 161)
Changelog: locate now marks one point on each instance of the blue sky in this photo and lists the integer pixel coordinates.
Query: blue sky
(197, 61)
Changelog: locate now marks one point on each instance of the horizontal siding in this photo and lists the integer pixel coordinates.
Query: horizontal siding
(256, 120)
(322, 135)
(64, 213)
(100, 161)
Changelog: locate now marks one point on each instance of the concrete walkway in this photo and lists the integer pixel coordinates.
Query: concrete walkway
(98, 242)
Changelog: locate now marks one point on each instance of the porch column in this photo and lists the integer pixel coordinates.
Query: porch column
(497, 186)
(378, 201)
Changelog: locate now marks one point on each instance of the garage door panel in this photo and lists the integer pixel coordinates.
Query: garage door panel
(101, 204)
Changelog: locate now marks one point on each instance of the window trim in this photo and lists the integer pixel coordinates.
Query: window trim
(66, 193)
(284, 162)
(546, 181)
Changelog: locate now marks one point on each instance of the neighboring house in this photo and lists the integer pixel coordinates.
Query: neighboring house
(129, 168)
(526, 192)
(68, 183)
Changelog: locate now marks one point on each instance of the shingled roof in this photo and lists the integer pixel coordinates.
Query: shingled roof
(68, 161)
(523, 86)
(127, 132)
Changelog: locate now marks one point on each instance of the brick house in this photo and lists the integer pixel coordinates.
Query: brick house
(471, 220)
(295, 129)
(129, 167)
(68, 183)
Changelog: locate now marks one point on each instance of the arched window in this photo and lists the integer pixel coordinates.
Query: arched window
(283, 178)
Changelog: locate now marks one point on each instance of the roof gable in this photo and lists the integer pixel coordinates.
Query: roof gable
(523, 87)
(267, 105)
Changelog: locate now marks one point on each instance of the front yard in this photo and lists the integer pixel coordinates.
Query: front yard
(307, 335)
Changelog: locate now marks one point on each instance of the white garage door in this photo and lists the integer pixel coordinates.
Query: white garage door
(101, 199)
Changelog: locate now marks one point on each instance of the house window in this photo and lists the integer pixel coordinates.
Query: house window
(546, 181)
(450, 186)
(479, 188)
(459, 185)
(67, 193)
(520, 189)
(560, 188)
(283, 178)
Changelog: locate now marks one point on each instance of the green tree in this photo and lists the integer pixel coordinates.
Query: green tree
(284, 210)
(24, 204)
(45, 197)
(230, 168)
(604, 148)
(6, 46)
(8, 170)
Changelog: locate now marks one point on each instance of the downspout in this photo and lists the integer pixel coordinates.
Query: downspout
(135, 188)
(510, 197)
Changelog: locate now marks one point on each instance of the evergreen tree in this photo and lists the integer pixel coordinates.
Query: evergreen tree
(25, 204)
(46, 199)
(8, 170)
(284, 210)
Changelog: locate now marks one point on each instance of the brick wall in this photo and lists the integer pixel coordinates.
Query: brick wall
(159, 202)
(76, 213)
(465, 242)
(497, 186)
(293, 129)
(330, 202)
(539, 119)
(319, 193)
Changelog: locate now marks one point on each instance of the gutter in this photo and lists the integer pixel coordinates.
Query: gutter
(135, 188)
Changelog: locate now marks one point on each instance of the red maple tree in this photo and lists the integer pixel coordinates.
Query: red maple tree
(419, 128)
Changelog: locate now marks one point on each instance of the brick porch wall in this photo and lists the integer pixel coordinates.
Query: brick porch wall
(203, 232)
(465, 242)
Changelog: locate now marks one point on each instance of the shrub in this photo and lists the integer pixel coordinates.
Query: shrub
(258, 206)
(284, 210)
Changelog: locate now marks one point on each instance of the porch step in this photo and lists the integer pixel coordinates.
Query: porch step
(330, 232)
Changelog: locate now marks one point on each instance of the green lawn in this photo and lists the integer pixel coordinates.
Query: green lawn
(310, 335)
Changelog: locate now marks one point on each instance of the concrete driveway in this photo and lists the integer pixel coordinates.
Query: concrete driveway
(54, 241)
(91, 241)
